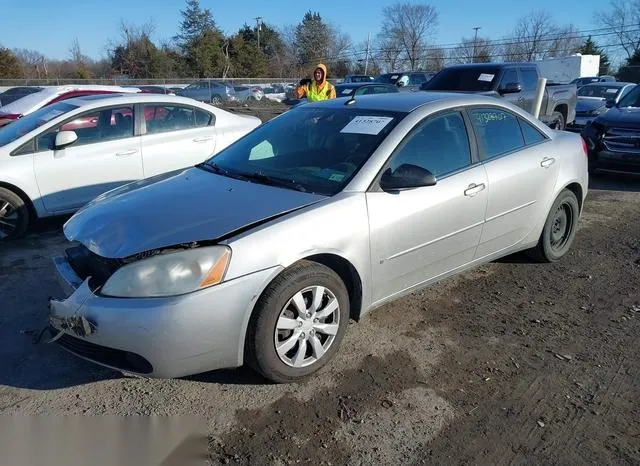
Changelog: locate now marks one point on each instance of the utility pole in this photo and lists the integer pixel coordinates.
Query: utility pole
(366, 59)
(475, 41)
(258, 27)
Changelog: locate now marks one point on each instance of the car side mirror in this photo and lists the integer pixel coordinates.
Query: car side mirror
(511, 88)
(406, 176)
(64, 139)
(610, 103)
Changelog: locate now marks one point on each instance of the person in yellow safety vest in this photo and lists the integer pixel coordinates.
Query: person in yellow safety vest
(317, 90)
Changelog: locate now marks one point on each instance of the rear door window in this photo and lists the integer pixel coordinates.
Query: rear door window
(498, 131)
(162, 118)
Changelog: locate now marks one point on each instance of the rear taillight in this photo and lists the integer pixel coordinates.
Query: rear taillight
(585, 147)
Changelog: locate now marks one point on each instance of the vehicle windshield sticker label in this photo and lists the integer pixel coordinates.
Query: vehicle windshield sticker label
(366, 125)
(486, 77)
(264, 150)
(337, 177)
(612, 91)
(347, 91)
(395, 76)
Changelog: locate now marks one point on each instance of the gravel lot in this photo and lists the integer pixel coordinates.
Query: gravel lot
(511, 363)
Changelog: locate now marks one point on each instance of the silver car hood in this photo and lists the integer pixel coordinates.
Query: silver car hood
(175, 208)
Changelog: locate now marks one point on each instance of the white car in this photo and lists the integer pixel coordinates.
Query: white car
(50, 95)
(60, 157)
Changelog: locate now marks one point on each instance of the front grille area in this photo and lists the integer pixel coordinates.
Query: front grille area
(87, 264)
(622, 139)
(123, 360)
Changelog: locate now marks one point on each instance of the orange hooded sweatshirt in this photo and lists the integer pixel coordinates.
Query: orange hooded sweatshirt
(315, 91)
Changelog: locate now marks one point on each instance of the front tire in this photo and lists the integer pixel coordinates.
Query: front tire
(216, 100)
(14, 215)
(559, 229)
(298, 324)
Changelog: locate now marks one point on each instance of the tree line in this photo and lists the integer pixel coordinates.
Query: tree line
(406, 41)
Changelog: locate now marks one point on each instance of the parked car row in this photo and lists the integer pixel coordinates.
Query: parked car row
(57, 158)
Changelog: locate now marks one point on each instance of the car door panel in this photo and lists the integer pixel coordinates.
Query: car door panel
(419, 234)
(529, 79)
(171, 144)
(71, 177)
(520, 181)
(511, 76)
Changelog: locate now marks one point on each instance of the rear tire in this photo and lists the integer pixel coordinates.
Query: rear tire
(559, 229)
(308, 338)
(216, 100)
(14, 215)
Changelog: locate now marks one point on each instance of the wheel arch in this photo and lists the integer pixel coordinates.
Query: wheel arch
(564, 110)
(341, 266)
(23, 195)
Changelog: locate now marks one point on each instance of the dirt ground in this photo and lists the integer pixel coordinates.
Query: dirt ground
(512, 363)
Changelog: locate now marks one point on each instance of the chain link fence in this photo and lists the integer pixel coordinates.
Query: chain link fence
(124, 81)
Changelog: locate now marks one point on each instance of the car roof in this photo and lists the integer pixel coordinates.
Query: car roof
(359, 84)
(35, 100)
(407, 101)
(609, 84)
(117, 99)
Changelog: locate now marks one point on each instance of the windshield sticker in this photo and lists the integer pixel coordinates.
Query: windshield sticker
(395, 76)
(264, 150)
(347, 91)
(612, 91)
(486, 77)
(337, 177)
(366, 125)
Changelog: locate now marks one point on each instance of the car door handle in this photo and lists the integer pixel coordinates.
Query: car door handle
(203, 139)
(547, 162)
(474, 189)
(126, 153)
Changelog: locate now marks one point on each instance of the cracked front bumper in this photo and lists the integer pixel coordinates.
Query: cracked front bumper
(158, 337)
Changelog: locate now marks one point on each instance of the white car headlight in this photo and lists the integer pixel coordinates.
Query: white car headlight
(170, 274)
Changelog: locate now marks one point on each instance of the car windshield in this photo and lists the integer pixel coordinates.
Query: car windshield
(603, 92)
(632, 99)
(478, 79)
(308, 148)
(24, 125)
(388, 78)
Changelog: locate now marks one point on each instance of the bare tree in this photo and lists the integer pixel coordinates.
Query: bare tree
(33, 62)
(410, 26)
(389, 53)
(480, 50)
(527, 42)
(623, 18)
(566, 41)
(435, 59)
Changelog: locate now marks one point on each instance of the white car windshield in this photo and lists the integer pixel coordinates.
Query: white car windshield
(25, 125)
(311, 149)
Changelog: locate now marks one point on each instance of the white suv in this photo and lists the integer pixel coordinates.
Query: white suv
(59, 158)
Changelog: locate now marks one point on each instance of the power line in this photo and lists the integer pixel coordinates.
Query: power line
(353, 54)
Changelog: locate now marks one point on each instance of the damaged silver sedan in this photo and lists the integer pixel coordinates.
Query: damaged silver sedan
(262, 254)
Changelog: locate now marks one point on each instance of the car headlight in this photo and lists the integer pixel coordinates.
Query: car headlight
(170, 274)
